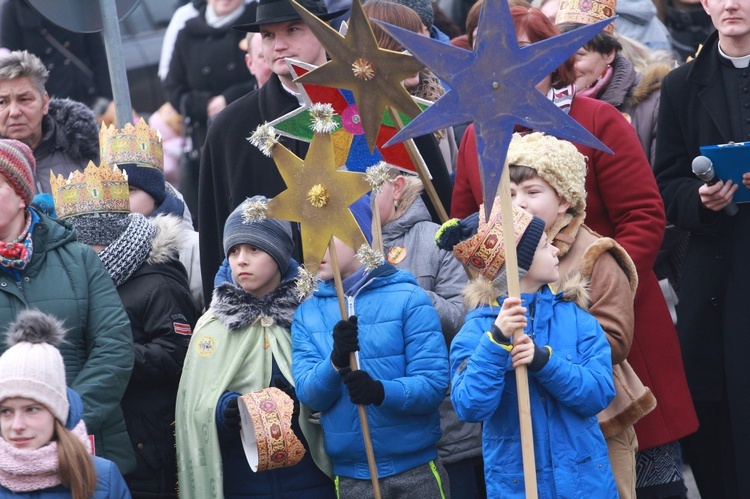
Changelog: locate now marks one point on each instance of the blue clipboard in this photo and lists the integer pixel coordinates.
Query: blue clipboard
(730, 162)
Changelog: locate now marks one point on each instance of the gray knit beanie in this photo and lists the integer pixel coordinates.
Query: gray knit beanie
(32, 366)
(423, 8)
(271, 235)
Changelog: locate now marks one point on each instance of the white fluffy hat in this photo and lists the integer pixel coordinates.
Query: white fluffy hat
(32, 366)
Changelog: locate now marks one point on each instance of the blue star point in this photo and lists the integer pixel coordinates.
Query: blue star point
(495, 87)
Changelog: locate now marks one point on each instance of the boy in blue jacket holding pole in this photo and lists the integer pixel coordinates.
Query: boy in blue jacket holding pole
(564, 348)
(403, 378)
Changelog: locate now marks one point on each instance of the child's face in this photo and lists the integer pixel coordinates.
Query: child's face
(347, 260)
(537, 197)
(543, 268)
(25, 423)
(141, 201)
(390, 192)
(253, 269)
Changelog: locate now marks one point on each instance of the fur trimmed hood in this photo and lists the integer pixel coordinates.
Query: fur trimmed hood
(167, 240)
(483, 292)
(630, 88)
(236, 309)
(75, 127)
(650, 83)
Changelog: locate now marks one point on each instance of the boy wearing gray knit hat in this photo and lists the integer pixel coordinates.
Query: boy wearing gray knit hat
(242, 240)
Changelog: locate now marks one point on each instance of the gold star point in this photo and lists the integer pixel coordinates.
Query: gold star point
(318, 196)
(372, 74)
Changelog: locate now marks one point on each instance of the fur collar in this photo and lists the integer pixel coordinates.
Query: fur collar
(74, 126)
(236, 309)
(563, 232)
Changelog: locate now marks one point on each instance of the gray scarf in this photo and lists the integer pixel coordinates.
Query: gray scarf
(127, 253)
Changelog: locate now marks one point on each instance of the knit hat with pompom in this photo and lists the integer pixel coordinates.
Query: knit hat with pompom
(32, 366)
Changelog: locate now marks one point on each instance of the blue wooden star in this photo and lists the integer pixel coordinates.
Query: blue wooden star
(494, 86)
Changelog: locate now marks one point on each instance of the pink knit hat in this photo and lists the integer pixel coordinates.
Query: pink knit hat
(17, 165)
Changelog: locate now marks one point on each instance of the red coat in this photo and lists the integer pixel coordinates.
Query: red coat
(622, 202)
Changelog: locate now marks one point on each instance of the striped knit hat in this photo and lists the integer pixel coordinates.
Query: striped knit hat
(17, 165)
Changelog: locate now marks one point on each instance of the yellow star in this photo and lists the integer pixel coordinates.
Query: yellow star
(373, 75)
(318, 196)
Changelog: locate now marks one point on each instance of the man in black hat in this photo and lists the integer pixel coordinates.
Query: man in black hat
(231, 169)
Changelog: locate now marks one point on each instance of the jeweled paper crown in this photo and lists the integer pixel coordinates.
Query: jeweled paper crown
(587, 12)
(137, 144)
(99, 189)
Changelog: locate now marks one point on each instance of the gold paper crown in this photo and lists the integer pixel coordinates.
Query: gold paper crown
(485, 251)
(99, 189)
(137, 144)
(587, 12)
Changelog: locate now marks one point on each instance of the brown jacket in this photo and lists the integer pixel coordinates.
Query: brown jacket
(611, 279)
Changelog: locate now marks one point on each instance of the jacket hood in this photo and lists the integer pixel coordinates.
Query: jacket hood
(415, 214)
(624, 78)
(236, 309)
(381, 276)
(637, 11)
(52, 233)
(75, 127)
(75, 413)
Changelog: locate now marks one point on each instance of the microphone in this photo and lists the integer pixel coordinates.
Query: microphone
(703, 168)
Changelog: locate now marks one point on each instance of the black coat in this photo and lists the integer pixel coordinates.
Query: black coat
(207, 62)
(232, 169)
(713, 313)
(162, 315)
(22, 28)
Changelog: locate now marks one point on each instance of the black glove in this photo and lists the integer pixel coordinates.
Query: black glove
(498, 335)
(232, 414)
(282, 384)
(540, 358)
(344, 341)
(363, 390)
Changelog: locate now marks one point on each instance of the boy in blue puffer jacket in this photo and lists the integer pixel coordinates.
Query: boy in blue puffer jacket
(566, 352)
(403, 376)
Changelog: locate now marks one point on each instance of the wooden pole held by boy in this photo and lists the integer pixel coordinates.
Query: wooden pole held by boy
(522, 377)
(355, 366)
(419, 164)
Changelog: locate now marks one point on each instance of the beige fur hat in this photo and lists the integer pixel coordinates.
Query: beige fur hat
(557, 161)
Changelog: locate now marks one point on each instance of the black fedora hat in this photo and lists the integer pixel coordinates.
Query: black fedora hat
(279, 11)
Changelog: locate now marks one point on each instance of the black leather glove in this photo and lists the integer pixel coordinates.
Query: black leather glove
(344, 341)
(232, 414)
(282, 384)
(363, 390)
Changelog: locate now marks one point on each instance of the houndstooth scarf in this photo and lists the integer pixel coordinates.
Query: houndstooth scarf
(127, 253)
